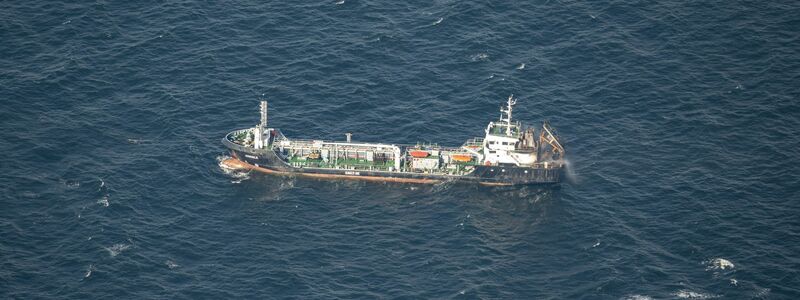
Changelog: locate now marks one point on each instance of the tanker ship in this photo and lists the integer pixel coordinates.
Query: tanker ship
(507, 154)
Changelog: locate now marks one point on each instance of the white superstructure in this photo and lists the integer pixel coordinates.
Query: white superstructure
(505, 141)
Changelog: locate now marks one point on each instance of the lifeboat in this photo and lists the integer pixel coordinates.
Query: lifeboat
(419, 153)
(461, 157)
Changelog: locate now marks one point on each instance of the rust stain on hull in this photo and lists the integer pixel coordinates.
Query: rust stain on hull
(238, 164)
(495, 184)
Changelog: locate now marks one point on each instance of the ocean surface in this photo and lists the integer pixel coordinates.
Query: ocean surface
(681, 124)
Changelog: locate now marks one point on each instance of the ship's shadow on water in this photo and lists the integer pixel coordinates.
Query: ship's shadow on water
(517, 207)
(520, 195)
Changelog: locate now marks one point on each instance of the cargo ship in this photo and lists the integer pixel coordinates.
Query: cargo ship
(507, 154)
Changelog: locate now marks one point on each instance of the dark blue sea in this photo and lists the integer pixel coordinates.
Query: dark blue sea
(681, 122)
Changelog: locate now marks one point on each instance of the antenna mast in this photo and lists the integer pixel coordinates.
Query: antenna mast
(263, 114)
(261, 127)
(511, 103)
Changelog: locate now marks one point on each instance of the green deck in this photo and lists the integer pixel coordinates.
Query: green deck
(361, 164)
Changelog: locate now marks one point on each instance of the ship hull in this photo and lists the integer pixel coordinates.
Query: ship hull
(268, 162)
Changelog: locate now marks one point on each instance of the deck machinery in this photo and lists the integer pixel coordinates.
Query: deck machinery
(508, 154)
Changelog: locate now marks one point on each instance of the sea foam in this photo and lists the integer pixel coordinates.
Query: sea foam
(116, 249)
(686, 294)
(719, 264)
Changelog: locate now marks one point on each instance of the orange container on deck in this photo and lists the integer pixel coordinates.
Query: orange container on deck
(461, 157)
(419, 153)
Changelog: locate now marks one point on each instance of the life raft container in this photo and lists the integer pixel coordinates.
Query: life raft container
(419, 153)
(461, 157)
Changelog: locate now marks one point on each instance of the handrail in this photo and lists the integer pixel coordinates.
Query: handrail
(230, 144)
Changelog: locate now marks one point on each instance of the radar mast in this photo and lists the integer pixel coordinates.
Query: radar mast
(507, 111)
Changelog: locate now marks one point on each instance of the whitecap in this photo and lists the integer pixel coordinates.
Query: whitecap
(171, 264)
(521, 66)
(719, 264)
(89, 271)
(116, 249)
(340, 2)
(224, 167)
(137, 141)
(438, 21)
(480, 57)
(686, 294)
(734, 281)
(287, 184)
(239, 177)
(72, 184)
(103, 201)
(761, 293)
(237, 174)
(637, 297)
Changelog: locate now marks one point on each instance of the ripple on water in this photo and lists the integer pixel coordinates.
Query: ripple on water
(677, 118)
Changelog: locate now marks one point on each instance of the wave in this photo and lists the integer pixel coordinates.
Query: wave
(238, 175)
(637, 297)
(171, 264)
(479, 57)
(104, 201)
(719, 264)
(116, 249)
(104, 189)
(686, 294)
(89, 271)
